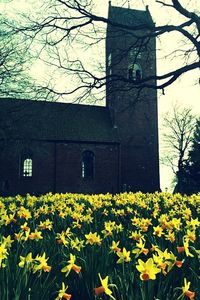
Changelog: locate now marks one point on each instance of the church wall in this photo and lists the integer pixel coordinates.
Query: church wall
(11, 180)
(57, 168)
(68, 173)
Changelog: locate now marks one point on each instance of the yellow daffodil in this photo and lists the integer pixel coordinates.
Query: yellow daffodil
(119, 228)
(26, 261)
(108, 228)
(114, 248)
(25, 226)
(164, 260)
(61, 239)
(185, 247)
(147, 269)
(10, 219)
(136, 235)
(19, 236)
(45, 225)
(144, 224)
(8, 241)
(40, 264)
(93, 238)
(190, 235)
(140, 248)
(185, 290)
(193, 224)
(36, 235)
(158, 231)
(104, 288)
(77, 244)
(135, 221)
(71, 266)
(24, 213)
(3, 254)
(124, 256)
(170, 236)
(62, 293)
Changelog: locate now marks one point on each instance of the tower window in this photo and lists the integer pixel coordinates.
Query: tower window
(109, 60)
(87, 170)
(130, 73)
(110, 64)
(135, 72)
(138, 75)
(27, 167)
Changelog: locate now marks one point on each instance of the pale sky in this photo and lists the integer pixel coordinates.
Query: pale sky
(185, 91)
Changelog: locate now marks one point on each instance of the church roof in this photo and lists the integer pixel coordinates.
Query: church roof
(27, 119)
(129, 17)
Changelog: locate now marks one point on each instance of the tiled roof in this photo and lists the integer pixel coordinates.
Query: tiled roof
(130, 17)
(55, 121)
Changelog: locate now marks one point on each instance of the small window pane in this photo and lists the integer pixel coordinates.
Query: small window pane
(135, 72)
(109, 59)
(87, 170)
(27, 167)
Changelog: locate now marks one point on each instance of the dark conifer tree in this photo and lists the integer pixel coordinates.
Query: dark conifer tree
(192, 167)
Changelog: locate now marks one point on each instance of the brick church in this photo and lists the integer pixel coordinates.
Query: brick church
(62, 147)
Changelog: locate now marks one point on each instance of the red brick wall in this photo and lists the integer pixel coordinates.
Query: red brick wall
(68, 173)
(134, 115)
(57, 168)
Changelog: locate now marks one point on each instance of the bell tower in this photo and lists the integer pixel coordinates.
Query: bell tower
(131, 57)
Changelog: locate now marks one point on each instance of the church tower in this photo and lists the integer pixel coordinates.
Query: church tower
(130, 57)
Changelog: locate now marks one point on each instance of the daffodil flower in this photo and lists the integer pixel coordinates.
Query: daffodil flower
(158, 231)
(62, 293)
(185, 248)
(3, 254)
(124, 256)
(77, 244)
(104, 288)
(36, 235)
(93, 238)
(71, 266)
(140, 248)
(186, 292)
(40, 264)
(147, 269)
(8, 241)
(114, 248)
(27, 260)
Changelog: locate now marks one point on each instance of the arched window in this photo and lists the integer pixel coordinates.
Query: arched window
(135, 72)
(27, 167)
(87, 170)
(110, 64)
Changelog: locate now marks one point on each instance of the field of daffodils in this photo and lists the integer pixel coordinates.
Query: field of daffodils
(97, 247)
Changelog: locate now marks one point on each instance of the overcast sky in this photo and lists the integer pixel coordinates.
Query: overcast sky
(185, 91)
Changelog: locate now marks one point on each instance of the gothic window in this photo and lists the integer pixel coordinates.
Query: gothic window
(134, 72)
(130, 73)
(109, 64)
(109, 60)
(27, 167)
(138, 75)
(87, 164)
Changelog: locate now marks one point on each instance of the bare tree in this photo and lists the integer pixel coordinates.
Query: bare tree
(15, 80)
(66, 26)
(178, 129)
(15, 63)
